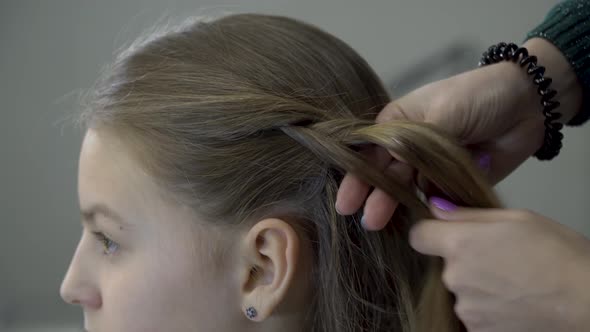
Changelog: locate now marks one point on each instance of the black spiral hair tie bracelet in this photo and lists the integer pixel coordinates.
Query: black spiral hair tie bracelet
(511, 52)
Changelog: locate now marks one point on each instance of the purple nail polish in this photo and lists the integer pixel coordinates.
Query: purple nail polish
(363, 221)
(442, 204)
(485, 161)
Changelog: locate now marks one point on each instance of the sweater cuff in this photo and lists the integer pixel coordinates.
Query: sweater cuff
(567, 26)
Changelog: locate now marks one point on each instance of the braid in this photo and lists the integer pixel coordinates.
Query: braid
(438, 159)
(422, 146)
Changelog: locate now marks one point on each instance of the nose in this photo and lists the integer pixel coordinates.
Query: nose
(77, 287)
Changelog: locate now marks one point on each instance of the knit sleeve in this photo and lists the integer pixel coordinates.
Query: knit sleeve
(567, 26)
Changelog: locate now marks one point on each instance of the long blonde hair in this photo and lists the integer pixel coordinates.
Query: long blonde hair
(251, 115)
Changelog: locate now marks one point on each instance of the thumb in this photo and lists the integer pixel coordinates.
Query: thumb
(435, 237)
(445, 210)
(443, 236)
(401, 109)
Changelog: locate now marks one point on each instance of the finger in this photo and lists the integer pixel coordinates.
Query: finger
(351, 194)
(353, 191)
(380, 206)
(446, 239)
(484, 162)
(434, 237)
(400, 109)
(379, 209)
(446, 210)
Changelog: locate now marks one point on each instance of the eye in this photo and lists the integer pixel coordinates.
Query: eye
(109, 245)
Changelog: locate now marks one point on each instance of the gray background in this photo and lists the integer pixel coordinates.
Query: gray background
(50, 49)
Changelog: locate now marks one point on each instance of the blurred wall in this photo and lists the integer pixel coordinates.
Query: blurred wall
(51, 48)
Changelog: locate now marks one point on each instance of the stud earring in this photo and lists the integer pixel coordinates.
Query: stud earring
(251, 313)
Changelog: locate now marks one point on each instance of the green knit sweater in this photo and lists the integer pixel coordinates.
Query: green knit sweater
(567, 26)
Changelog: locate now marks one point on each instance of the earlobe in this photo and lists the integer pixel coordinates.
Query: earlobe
(270, 252)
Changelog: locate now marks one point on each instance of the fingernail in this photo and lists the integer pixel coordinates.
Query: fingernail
(485, 161)
(442, 204)
(363, 222)
(337, 209)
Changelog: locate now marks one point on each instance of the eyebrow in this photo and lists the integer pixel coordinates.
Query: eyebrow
(89, 215)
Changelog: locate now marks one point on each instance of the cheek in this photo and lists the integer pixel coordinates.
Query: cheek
(168, 291)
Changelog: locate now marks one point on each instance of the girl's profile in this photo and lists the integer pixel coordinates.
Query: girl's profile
(208, 173)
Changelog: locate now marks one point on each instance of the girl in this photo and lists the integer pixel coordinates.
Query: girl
(207, 180)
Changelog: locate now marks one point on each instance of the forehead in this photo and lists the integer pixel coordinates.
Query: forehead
(103, 161)
(107, 174)
(104, 156)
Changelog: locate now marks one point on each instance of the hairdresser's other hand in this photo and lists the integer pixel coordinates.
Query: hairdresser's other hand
(510, 270)
(494, 111)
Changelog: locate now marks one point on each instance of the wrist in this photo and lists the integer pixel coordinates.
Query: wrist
(527, 103)
(565, 81)
(521, 85)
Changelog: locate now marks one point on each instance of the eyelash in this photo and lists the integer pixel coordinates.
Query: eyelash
(105, 241)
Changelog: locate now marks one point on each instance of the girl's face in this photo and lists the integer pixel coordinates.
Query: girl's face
(143, 262)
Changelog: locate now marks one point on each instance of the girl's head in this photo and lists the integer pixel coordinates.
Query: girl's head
(207, 182)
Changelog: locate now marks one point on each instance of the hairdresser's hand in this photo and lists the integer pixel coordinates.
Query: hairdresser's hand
(511, 271)
(494, 111)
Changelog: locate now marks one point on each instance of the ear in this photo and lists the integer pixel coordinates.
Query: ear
(270, 250)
